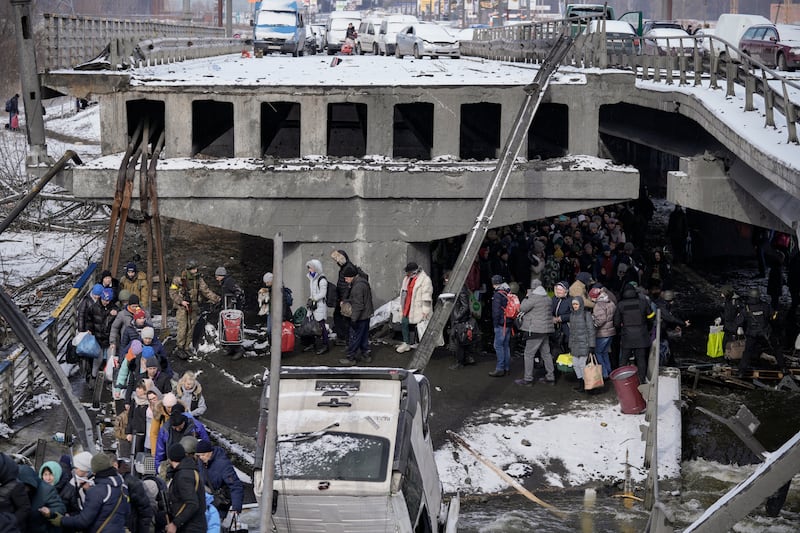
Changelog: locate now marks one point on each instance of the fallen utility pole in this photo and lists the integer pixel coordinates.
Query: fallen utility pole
(535, 92)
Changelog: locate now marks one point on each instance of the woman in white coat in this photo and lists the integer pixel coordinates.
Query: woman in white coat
(316, 302)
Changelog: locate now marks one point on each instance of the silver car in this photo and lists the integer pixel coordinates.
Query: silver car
(426, 39)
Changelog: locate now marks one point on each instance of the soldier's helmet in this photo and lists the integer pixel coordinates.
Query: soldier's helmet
(191, 263)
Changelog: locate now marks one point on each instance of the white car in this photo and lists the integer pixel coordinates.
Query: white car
(387, 35)
(621, 38)
(668, 41)
(426, 39)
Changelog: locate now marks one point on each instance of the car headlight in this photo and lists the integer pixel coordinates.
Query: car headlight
(795, 51)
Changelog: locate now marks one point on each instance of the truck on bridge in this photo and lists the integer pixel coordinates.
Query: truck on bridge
(278, 26)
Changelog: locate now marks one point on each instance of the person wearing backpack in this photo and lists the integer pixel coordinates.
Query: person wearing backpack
(502, 326)
(317, 307)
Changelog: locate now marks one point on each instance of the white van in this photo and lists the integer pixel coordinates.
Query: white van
(387, 36)
(336, 28)
(731, 27)
(354, 453)
(368, 36)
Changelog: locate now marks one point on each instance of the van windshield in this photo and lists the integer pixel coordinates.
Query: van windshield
(276, 18)
(341, 24)
(340, 456)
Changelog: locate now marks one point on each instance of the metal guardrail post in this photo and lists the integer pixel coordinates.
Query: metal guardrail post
(769, 102)
(790, 110)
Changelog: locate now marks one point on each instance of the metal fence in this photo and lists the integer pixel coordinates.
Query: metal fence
(20, 377)
(664, 60)
(69, 40)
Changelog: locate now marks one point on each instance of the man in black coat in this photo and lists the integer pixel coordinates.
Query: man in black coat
(187, 498)
(141, 518)
(631, 320)
(341, 323)
(14, 503)
(459, 320)
(360, 300)
(757, 315)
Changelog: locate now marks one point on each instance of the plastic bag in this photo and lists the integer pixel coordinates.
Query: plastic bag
(78, 338)
(89, 347)
(592, 374)
(564, 363)
(714, 348)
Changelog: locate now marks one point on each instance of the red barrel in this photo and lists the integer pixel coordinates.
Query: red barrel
(626, 384)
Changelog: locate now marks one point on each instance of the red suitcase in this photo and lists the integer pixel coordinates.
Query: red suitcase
(287, 337)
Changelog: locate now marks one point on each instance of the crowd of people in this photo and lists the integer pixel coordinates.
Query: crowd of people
(158, 414)
(587, 287)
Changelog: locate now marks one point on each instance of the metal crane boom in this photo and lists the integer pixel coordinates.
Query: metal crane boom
(535, 92)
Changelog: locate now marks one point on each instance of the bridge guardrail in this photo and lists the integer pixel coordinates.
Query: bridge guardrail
(708, 59)
(20, 377)
(69, 40)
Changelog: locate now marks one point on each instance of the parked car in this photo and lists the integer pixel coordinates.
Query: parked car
(387, 35)
(775, 45)
(426, 39)
(731, 27)
(667, 41)
(621, 38)
(368, 36)
(657, 24)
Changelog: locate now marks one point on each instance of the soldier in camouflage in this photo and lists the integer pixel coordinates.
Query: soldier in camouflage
(186, 291)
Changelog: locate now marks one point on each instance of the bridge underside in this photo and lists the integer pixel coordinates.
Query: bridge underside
(712, 178)
(384, 216)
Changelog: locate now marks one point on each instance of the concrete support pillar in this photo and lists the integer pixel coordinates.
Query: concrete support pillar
(446, 131)
(584, 131)
(313, 127)
(113, 114)
(380, 127)
(178, 125)
(29, 78)
(383, 261)
(246, 127)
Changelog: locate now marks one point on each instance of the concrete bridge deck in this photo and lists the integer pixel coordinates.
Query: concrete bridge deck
(382, 155)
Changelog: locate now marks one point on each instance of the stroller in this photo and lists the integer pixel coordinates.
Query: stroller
(231, 324)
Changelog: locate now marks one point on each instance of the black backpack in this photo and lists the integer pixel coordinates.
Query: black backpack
(332, 294)
(9, 106)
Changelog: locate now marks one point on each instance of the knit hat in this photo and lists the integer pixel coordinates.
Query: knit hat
(83, 461)
(189, 444)
(349, 271)
(133, 299)
(595, 293)
(221, 271)
(558, 254)
(139, 314)
(148, 333)
(584, 277)
(176, 419)
(176, 453)
(136, 347)
(151, 362)
(100, 462)
(97, 289)
(204, 446)
(563, 285)
(628, 247)
(124, 295)
(107, 294)
(267, 278)
(411, 267)
(148, 352)
(497, 279)
(169, 400)
(131, 266)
